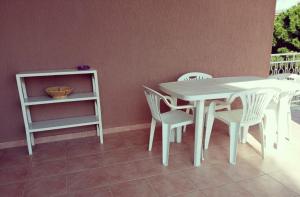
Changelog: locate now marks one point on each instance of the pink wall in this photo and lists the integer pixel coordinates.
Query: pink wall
(131, 43)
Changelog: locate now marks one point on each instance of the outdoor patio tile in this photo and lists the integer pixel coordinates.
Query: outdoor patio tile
(83, 149)
(240, 171)
(49, 168)
(113, 143)
(123, 172)
(133, 189)
(219, 138)
(232, 190)
(216, 155)
(139, 152)
(80, 141)
(195, 193)
(265, 186)
(12, 190)
(171, 184)
(82, 163)
(95, 192)
(117, 156)
(246, 150)
(157, 149)
(290, 179)
(207, 177)
(48, 186)
(136, 138)
(178, 162)
(15, 157)
(183, 147)
(149, 167)
(88, 179)
(14, 174)
(49, 151)
(267, 165)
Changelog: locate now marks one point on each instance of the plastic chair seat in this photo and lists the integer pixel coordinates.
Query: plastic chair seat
(232, 116)
(177, 117)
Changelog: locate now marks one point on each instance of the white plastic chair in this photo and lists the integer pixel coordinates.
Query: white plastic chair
(194, 76)
(201, 76)
(279, 110)
(254, 103)
(170, 120)
(283, 105)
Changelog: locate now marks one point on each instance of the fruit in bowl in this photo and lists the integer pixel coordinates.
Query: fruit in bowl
(59, 92)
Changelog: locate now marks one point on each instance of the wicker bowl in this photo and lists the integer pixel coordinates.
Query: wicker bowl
(59, 92)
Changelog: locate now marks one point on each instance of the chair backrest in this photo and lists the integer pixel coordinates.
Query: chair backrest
(289, 95)
(255, 102)
(153, 98)
(194, 76)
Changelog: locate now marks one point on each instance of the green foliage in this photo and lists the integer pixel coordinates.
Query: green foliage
(286, 35)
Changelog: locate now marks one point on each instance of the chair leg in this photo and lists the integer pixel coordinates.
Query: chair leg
(209, 124)
(262, 139)
(187, 111)
(234, 136)
(172, 135)
(165, 144)
(244, 134)
(178, 134)
(270, 122)
(152, 130)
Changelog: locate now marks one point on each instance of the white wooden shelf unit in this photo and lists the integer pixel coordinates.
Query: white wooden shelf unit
(38, 126)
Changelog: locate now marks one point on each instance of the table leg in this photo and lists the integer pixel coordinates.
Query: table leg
(199, 114)
(283, 123)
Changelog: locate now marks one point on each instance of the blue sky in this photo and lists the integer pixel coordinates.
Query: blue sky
(285, 4)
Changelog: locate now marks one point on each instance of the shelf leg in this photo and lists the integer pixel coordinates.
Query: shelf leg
(32, 139)
(25, 110)
(28, 143)
(100, 131)
(97, 106)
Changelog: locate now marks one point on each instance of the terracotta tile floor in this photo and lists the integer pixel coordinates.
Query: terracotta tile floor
(124, 167)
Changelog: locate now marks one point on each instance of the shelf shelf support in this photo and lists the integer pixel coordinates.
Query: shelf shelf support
(97, 106)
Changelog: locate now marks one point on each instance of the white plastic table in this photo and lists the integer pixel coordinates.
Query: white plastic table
(216, 88)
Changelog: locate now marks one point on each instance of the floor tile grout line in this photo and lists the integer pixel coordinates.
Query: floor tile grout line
(110, 191)
(23, 191)
(250, 178)
(151, 186)
(67, 184)
(285, 186)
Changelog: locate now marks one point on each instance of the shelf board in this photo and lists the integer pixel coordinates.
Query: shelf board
(71, 98)
(63, 123)
(55, 73)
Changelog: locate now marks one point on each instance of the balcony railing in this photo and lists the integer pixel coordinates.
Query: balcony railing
(285, 63)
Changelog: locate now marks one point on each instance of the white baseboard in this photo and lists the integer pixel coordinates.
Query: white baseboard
(70, 136)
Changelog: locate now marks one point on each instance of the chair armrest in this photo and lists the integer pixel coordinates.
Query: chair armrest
(170, 102)
(181, 107)
(222, 105)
